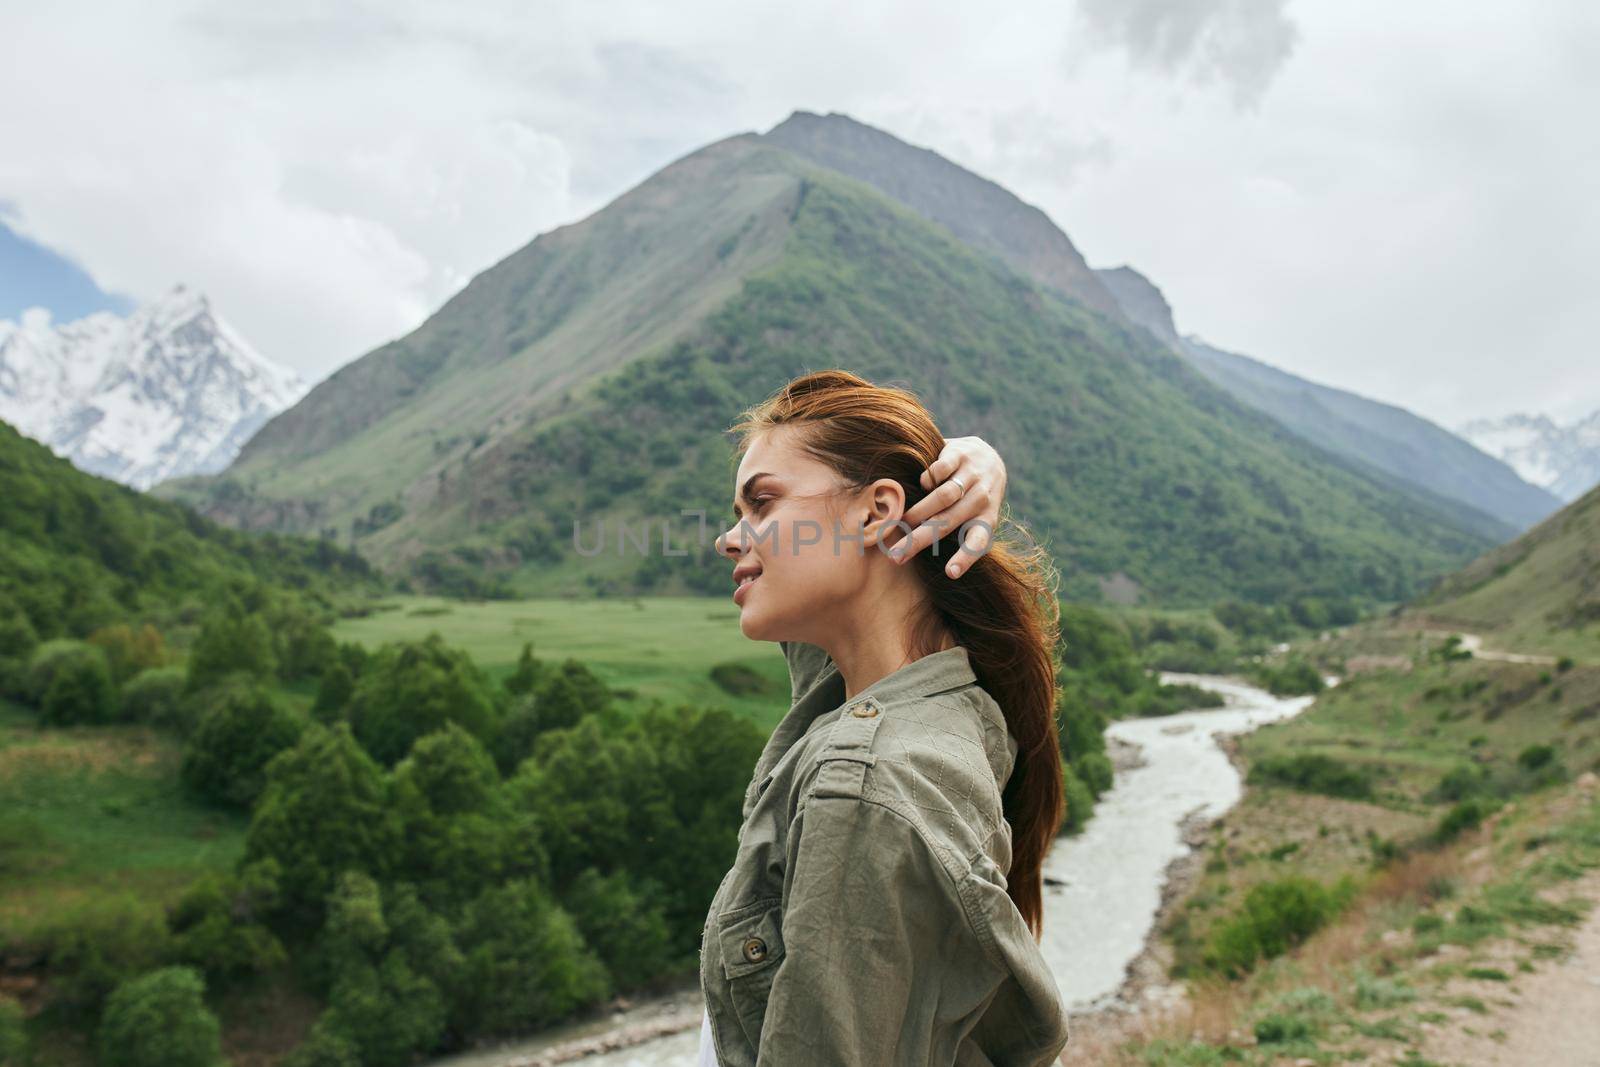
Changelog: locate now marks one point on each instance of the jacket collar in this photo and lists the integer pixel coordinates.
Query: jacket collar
(935, 673)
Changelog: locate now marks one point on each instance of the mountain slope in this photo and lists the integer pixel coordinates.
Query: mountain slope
(78, 551)
(991, 218)
(1562, 459)
(170, 390)
(1389, 438)
(1541, 591)
(452, 456)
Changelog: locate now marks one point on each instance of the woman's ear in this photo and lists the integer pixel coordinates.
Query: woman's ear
(886, 504)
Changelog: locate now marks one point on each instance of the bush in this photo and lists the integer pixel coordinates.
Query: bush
(155, 697)
(1293, 678)
(239, 732)
(70, 682)
(1313, 773)
(1275, 917)
(736, 679)
(160, 1020)
(1465, 815)
(95, 945)
(130, 651)
(218, 924)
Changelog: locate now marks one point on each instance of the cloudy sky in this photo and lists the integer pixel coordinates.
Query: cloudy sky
(1399, 199)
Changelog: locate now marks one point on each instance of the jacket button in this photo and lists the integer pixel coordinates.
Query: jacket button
(864, 711)
(755, 950)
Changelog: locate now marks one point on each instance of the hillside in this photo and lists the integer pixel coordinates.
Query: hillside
(1389, 438)
(1540, 592)
(590, 375)
(77, 551)
(992, 219)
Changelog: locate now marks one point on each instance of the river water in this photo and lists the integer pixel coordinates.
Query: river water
(1107, 880)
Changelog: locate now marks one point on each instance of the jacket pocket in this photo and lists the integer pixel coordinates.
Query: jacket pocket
(751, 939)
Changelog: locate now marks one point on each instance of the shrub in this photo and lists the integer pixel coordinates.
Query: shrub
(70, 682)
(155, 696)
(1293, 678)
(1463, 816)
(130, 651)
(241, 729)
(736, 679)
(1275, 917)
(218, 924)
(160, 1020)
(99, 943)
(1313, 773)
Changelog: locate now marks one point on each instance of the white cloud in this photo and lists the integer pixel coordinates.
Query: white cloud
(1392, 199)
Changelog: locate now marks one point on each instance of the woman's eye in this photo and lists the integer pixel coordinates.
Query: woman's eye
(760, 504)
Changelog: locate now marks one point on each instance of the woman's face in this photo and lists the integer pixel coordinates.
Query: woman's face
(793, 530)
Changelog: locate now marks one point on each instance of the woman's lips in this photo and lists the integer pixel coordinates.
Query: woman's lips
(742, 588)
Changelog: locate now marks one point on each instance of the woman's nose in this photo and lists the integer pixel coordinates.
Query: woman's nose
(728, 543)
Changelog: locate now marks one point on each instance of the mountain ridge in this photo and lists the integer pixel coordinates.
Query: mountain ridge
(812, 268)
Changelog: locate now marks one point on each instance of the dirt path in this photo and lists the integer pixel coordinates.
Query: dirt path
(1550, 1018)
(1474, 643)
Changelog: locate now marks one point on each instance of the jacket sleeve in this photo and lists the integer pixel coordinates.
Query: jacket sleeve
(806, 664)
(882, 966)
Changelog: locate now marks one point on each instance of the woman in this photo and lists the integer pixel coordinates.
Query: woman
(885, 901)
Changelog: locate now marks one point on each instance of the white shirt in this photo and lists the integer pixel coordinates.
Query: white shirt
(708, 1050)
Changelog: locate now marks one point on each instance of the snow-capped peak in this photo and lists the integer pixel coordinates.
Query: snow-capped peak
(1562, 459)
(171, 389)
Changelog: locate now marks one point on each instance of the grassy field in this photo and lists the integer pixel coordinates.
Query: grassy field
(651, 648)
(93, 811)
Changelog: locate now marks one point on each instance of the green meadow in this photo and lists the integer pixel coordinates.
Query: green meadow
(88, 812)
(645, 648)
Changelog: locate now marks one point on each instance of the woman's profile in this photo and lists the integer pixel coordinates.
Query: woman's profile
(885, 901)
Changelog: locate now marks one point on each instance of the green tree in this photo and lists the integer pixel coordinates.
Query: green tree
(325, 809)
(219, 924)
(526, 963)
(456, 832)
(231, 640)
(413, 688)
(333, 693)
(160, 1020)
(239, 732)
(388, 958)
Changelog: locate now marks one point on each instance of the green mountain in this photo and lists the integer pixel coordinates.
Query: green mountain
(1369, 431)
(992, 219)
(1539, 592)
(591, 374)
(78, 552)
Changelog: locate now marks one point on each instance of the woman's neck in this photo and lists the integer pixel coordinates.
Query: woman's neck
(874, 643)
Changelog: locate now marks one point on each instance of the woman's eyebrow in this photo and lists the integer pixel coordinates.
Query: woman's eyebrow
(749, 486)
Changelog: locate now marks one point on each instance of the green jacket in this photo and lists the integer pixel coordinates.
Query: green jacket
(865, 921)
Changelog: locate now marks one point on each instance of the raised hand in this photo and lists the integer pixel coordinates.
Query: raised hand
(967, 481)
